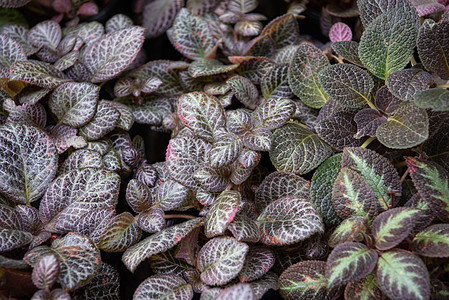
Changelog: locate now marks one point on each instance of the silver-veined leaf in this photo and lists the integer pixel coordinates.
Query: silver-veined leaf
(158, 16)
(13, 3)
(432, 241)
(158, 242)
(104, 121)
(240, 291)
(37, 73)
(402, 275)
(370, 10)
(118, 22)
(220, 260)
(152, 111)
(404, 84)
(29, 162)
(10, 52)
(171, 195)
(258, 139)
(244, 229)
(164, 286)
(368, 120)
(225, 150)
(274, 83)
(340, 32)
(212, 180)
(258, 261)
(349, 262)
(222, 212)
(348, 50)
(364, 289)
(11, 239)
(45, 34)
(297, 150)
(209, 67)
(105, 285)
(273, 113)
(167, 263)
(64, 137)
(151, 220)
(244, 90)
(82, 158)
(121, 234)
(288, 220)
(45, 272)
(437, 99)
(283, 31)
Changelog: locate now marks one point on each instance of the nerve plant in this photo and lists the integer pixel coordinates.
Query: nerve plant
(280, 151)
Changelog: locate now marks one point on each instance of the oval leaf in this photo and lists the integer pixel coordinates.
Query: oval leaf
(164, 286)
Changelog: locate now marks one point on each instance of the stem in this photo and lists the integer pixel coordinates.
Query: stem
(405, 174)
(368, 141)
(443, 86)
(370, 104)
(174, 216)
(413, 61)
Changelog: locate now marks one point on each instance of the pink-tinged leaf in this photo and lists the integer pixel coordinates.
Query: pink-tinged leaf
(45, 34)
(138, 196)
(19, 33)
(171, 195)
(64, 137)
(10, 51)
(242, 291)
(72, 196)
(45, 272)
(110, 55)
(151, 220)
(118, 22)
(221, 259)
(33, 115)
(258, 261)
(88, 9)
(79, 259)
(29, 162)
(164, 286)
(158, 242)
(288, 220)
(122, 233)
(222, 212)
(340, 32)
(37, 73)
(62, 6)
(158, 16)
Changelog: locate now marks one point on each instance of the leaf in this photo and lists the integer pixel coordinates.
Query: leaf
(10, 52)
(126, 118)
(244, 90)
(11, 239)
(202, 113)
(79, 259)
(258, 261)
(151, 220)
(158, 242)
(405, 84)
(45, 272)
(208, 67)
(407, 127)
(273, 113)
(112, 53)
(274, 83)
(191, 36)
(348, 50)
(304, 280)
(9, 16)
(253, 68)
(393, 226)
(349, 230)
(212, 180)
(164, 286)
(37, 73)
(220, 260)
(321, 189)
(280, 184)
(73, 195)
(258, 139)
(167, 263)
(118, 22)
(45, 34)
(387, 43)
(105, 285)
(225, 150)
(152, 112)
(347, 84)
(82, 158)
(433, 46)
(297, 150)
(437, 99)
(171, 194)
(19, 33)
(432, 241)
(29, 217)
(339, 130)
(29, 162)
(66, 61)
(244, 229)
(243, 6)
(121, 234)
(64, 137)
(222, 212)
(105, 120)
(249, 158)
(303, 75)
(74, 103)
(370, 10)
(402, 275)
(33, 115)
(368, 120)
(288, 220)
(94, 223)
(239, 290)
(349, 262)
(431, 181)
(340, 32)
(283, 31)
(366, 288)
(32, 94)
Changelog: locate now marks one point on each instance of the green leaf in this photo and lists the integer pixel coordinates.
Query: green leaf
(347, 84)
(222, 212)
(402, 275)
(387, 43)
(192, 36)
(258, 261)
(72, 196)
(220, 260)
(37, 73)
(158, 242)
(74, 103)
(202, 113)
(273, 113)
(79, 259)
(303, 75)
(432, 241)
(121, 234)
(364, 289)
(371, 9)
(437, 99)
(305, 280)
(321, 188)
(158, 16)
(431, 181)
(280, 184)
(164, 286)
(297, 150)
(104, 121)
(112, 53)
(405, 84)
(208, 67)
(350, 230)
(378, 172)
(348, 50)
(407, 127)
(28, 162)
(349, 262)
(274, 83)
(393, 226)
(433, 46)
(45, 272)
(288, 220)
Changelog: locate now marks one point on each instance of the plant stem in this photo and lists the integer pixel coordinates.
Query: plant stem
(413, 61)
(174, 216)
(443, 86)
(368, 141)
(405, 174)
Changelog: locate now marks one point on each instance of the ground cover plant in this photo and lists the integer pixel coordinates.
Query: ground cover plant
(294, 167)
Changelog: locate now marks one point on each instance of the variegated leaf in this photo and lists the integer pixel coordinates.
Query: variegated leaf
(10, 52)
(37, 73)
(258, 139)
(171, 194)
(258, 261)
(112, 53)
(164, 286)
(350, 230)
(364, 289)
(253, 68)
(73, 195)
(118, 22)
(244, 229)
(138, 196)
(152, 112)
(167, 263)
(404, 84)
(11, 239)
(45, 34)
(288, 220)
(273, 113)
(82, 158)
(274, 83)
(64, 137)
(13, 3)
(104, 121)
(222, 212)
(105, 285)
(79, 259)
(159, 15)
(32, 94)
(225, 150)
(297, 150)
(122, 233)
(151, 220)
(209, 67)
(45, 272)
(241, 291)
(220, 260)
(348, 50)
(212, 180)
(432, 241)
(158, 242)
(29, 162)
(340, 32)
(20, 34)
(33, 115)
(244, 90)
